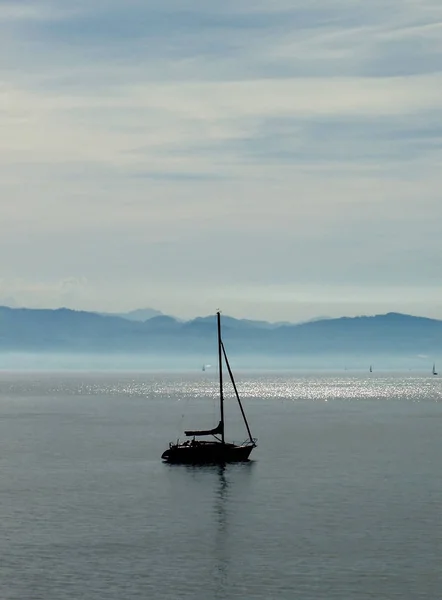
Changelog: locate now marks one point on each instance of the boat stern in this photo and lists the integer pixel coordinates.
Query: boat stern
(166, 455)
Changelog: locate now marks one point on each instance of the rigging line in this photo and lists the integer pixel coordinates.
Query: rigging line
(236, 391)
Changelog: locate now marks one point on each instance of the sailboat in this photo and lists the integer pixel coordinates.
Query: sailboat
(371, 369)
(434, 369)
(216, 450)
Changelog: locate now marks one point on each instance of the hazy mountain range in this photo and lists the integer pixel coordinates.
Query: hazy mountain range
(140, 314)
(144, 314)
(150, 333)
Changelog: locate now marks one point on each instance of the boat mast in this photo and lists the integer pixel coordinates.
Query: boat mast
(221, 396)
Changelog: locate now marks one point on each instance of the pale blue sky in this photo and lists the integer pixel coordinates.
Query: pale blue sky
(280, 160)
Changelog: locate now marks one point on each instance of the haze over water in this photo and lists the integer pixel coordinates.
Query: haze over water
(341, 501)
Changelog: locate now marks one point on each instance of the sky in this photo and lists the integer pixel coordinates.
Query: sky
(278, 160)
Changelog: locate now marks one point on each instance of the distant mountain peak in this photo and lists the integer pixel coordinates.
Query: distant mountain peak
(138, 314)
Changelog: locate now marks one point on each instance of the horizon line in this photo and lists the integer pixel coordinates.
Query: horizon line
(161, 314)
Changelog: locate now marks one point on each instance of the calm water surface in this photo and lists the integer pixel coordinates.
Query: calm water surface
(342, 500)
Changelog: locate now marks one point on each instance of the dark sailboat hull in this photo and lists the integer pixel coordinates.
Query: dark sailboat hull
(207, 453)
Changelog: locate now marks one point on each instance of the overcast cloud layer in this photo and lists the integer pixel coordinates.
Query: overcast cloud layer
(279, 160)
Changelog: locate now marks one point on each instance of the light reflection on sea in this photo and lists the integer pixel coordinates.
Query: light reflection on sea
(264, 386)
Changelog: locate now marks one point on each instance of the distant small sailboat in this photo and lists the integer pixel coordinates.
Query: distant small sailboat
(371, 369)
(204, 367)
(434, 369)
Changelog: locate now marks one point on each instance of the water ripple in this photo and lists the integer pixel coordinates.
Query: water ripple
(267, 387)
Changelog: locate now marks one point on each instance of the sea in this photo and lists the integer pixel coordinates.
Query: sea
(341, 500)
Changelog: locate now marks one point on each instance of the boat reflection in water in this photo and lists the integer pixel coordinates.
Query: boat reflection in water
(226, 486)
